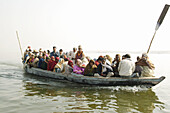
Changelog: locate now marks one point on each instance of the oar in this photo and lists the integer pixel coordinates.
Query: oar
(19, 44)
(159, 22)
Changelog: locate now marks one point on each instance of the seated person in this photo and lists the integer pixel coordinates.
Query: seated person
(103, 68)
(146, 65)
(126, 66)
(99, 60)
(69, 67)
(51, 64)
(44, 63)
(78, 69)
(90, 68)
(115, 64)
(59, 66)
(41, 60)
(35, 62)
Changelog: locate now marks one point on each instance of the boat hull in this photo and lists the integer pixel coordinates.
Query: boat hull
(104, 81)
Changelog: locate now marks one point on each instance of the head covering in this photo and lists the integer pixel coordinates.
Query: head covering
(92, 61)
(78, 60)
(29, 47)
(52, 57)
(80, 47)
(70, 63)
(57, 58)
(35, 51)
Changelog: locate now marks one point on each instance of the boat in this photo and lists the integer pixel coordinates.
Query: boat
(99, 80)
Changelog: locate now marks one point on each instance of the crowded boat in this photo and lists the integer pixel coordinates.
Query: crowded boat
(78, 63)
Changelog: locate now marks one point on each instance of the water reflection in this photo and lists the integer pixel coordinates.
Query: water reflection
(85, 97)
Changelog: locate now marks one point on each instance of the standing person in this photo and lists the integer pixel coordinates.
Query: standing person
(54, 53)
(126, 66)
(79, 54)
(72, 55)
(146, 65)
(40, 52)
(115, 64)
(61, 55)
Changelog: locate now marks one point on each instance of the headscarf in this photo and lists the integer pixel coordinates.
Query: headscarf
(70, 63)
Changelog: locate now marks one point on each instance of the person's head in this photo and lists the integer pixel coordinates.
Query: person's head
(138, 58)
(79, 62)
(61, 61)
(100, 59)
(32, 56)
(57, 59)
(91, 62)
(44, 56)
(127, 56)
(144, 55)
(117, 56)
(74, 49)
(60, 51)
(70, 63)
(79, 48)
(48, 59)
(53, 58)
(48, 51)
(44, 52)
(103, 61)
(54, 48)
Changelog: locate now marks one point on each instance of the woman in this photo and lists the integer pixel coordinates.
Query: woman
(77, 68)
(51, 64)
(59, 66)
(90, 68)
(69, 67)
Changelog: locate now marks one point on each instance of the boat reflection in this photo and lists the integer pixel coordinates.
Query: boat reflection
(86, 97)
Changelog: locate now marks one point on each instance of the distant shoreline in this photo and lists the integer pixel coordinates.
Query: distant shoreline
(133, 52)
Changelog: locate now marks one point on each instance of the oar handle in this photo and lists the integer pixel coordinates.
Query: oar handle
(151, 41)
(19, 44)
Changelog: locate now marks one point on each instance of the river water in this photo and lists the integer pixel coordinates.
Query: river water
(25, 93)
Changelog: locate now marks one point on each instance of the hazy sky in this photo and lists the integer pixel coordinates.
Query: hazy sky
(114, 25)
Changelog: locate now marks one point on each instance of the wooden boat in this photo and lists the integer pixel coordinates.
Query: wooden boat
(102, 81)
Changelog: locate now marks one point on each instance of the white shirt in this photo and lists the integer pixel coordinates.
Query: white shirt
(126, 67)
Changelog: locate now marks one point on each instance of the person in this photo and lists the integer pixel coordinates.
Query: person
(31, 59)
(104, 68)
(72, 54)
(115, 64)
(54, 53)
(77, 68)
(48, 53)
(27, 57)
(35, 52)
(90, 68)
(61, 55)
(126, 66)
(146, 65)
(40, 52)
(44, 63)
(51, 64)
(69, 67)
(59, 68)
(108, 59)
(79, 54)
(99, 60)
(41, 60)
(84, 60)
(35, 62)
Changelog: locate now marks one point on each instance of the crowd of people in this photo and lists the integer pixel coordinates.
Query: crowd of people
(76, 62)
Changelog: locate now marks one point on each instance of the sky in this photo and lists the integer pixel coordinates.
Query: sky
(96, 25)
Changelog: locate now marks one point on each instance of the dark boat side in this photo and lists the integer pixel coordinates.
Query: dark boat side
(103, 81)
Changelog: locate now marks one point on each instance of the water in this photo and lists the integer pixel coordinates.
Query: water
(21, 92)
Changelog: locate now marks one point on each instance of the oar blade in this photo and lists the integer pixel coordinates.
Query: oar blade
(162, 16)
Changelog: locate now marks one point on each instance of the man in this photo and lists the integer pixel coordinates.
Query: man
(79, 54)
(126, 66)
(54, 53)
(72, 55)
(61, 55)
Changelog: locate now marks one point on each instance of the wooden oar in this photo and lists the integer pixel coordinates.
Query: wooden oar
(19, 44)
(159, 22)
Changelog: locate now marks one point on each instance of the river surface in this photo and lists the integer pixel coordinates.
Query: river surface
(26, 93)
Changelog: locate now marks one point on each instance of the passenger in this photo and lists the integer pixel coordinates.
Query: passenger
(29, 49)
(77, 68)
(79, 54)
(43, 58)
(61, 55)
(90, 68)
(126, 66)
(69, 67)
(146, 65)
(44, 63)
(31, 59)
(48, 53)
(35, 62)
(108, 59)
(138, 68)
(104, 68)
(27, 57)
(84, 60)
(88, 58)
(99, 60)
(51, 64)
(123, 57)
(54, 53)
(72, 55)
(35, 52)
(40, 52)
(59, 66)
(44, 52)
(115, 64)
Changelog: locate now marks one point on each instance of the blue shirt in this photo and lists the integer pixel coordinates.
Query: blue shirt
(55, 54)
